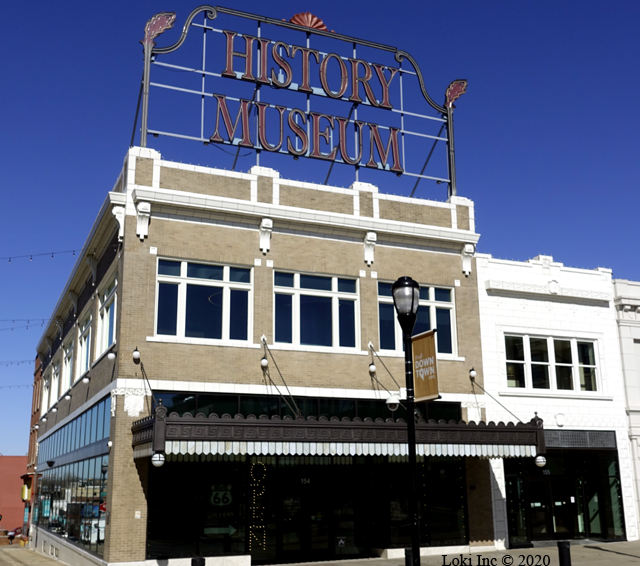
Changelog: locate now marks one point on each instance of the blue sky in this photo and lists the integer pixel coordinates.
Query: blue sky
(546, 137)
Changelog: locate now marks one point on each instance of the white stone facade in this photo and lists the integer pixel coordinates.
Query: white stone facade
(543, 298)
(627, 302)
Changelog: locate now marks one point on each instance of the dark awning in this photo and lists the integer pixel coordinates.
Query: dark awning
(311, 436)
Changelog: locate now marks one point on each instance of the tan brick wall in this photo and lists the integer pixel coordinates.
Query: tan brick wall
(316, 200)
(126, 536)
(265, 189)
(418, 214)
(144, 171)
(462, 212)
(366, 204)
(479, 504)
(214, 185)
(180, 362)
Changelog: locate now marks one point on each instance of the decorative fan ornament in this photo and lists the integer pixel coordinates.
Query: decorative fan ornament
(455, 90)
(156, 25)
(307, 19)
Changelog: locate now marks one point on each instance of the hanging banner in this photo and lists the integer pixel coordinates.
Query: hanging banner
(425, 367)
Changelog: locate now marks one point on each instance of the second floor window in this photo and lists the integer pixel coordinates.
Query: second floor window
(197, 300)
(67, 367)
(84, 347)
(107, 320)
(540, 362)
(435, 310)
(315, 310)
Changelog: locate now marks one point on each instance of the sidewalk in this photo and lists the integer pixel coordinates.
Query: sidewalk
(595, 553)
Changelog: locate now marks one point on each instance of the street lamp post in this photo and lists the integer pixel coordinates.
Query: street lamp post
(406, 296)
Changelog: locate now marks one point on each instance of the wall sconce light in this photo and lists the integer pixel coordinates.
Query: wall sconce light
(44, 419)
(86, 379)
(111, 356)
(54, 409)
(50, 463)
(36, 427)
(541, 461)
(264, 363)
(472, 374)
(67, 397)
(372, 369)
(136, 356)
(158, 459)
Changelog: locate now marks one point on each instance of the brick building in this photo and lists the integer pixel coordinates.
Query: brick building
(207, 272)
(11, 503)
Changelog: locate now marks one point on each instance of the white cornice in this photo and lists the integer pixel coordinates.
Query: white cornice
(198, 201)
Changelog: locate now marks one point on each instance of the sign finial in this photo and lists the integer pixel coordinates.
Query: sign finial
(156, 25)
(455, 90)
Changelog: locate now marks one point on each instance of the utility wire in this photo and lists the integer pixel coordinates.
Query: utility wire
(266, 372)
(384, 366)
(474, 382)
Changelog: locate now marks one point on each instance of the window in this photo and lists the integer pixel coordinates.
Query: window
(45, 396)
(436, 310)
(84, 347)
(67, 367)
(197, 300)
(55, 382)
(107, 320)
(315, 310)
(550, 363)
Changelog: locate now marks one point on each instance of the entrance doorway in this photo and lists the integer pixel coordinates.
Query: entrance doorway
(577, 495)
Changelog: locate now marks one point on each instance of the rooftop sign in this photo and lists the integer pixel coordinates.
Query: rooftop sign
(302, 90)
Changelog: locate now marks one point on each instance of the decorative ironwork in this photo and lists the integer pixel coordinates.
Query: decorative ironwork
(455, 90)
(308, 20)
(157, 25)
(392, 158)
(323, 429)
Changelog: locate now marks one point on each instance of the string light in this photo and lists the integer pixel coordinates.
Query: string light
(257, 530)
(16, 362)
(31, 256)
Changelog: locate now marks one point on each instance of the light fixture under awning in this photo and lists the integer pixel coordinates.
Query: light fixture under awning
(201, 435)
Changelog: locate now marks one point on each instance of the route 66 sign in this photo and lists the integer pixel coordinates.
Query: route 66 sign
(221, 495)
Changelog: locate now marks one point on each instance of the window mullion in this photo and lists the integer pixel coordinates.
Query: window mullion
(528, 379)
(295, 314)
(226, 308)
(551, 352)
(335, 322)
(182, 309)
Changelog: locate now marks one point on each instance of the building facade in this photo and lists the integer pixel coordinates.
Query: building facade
(30, 476)
(205, 273)
(627, 302)
(550, 347)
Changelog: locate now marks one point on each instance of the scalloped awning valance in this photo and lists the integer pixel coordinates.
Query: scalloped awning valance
(226, 435)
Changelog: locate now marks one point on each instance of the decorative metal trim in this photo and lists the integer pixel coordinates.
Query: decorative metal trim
(322, 430)
(211, 14)
(307, 19)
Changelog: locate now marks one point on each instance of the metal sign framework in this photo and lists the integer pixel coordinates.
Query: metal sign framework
(392, 158)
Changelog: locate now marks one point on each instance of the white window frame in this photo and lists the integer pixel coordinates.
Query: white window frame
(55, 381)
(553, 382)
(431, 304)
(296, 291)
(66, 376)
(227, 286)
(108, 306)
(46, 387)
(84, 347)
